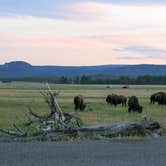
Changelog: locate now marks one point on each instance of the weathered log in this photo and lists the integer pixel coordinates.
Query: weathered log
(123, 129)
(126, 128)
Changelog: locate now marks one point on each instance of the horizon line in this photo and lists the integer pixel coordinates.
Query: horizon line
(82, 65)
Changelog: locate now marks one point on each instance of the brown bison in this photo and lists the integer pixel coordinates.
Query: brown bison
(115, 100)
(159, 97)
(154, 97)
(133, 105)
(79, 103)
(125, 87)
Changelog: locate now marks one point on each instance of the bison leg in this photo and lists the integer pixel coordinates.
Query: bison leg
(124, 104)
(153, 102)
(129, 109)
(76, 107)
(81, 108)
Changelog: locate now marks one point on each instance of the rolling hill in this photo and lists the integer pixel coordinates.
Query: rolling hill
(19, 69)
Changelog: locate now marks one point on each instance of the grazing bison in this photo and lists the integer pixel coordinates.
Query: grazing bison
(115, 100)
(108, 99)
(125, 87)
(159, 97)
(79, 103)
(154, 97)
(133, 105)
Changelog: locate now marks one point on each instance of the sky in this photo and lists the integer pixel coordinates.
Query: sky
(83, 32)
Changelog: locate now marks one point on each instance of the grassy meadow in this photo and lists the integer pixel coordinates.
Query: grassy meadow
(14, 98)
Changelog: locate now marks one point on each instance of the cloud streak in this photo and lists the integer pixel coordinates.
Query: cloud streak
(55, 9)
(142, 49)
(105, 41)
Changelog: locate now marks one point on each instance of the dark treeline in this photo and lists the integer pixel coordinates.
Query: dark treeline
(100, 79)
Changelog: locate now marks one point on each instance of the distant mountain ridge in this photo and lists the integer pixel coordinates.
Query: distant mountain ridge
(20, 69)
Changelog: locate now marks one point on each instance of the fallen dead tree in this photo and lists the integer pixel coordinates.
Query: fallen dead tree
(119, 129)
(123, 129)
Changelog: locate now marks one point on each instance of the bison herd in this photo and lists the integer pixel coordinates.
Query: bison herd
(132, 102)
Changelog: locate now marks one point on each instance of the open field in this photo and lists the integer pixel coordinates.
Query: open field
(14, 98)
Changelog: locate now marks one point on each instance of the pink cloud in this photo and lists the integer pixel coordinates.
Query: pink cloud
(50, 41)
(105, 41)
(64, 50)
(89, 7)
(73, 56)
(87, 11)
(119, 40)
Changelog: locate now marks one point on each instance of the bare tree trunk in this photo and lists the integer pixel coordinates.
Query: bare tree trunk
(126, 128)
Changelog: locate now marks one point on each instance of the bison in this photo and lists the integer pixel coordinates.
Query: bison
(159, 97)
(154, 97)
(115, 100)
(133, 105)
(79, 103)
(125, 87)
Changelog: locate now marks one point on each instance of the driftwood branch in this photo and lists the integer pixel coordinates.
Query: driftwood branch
(41, 117)
(19, 129)
(12, 133)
